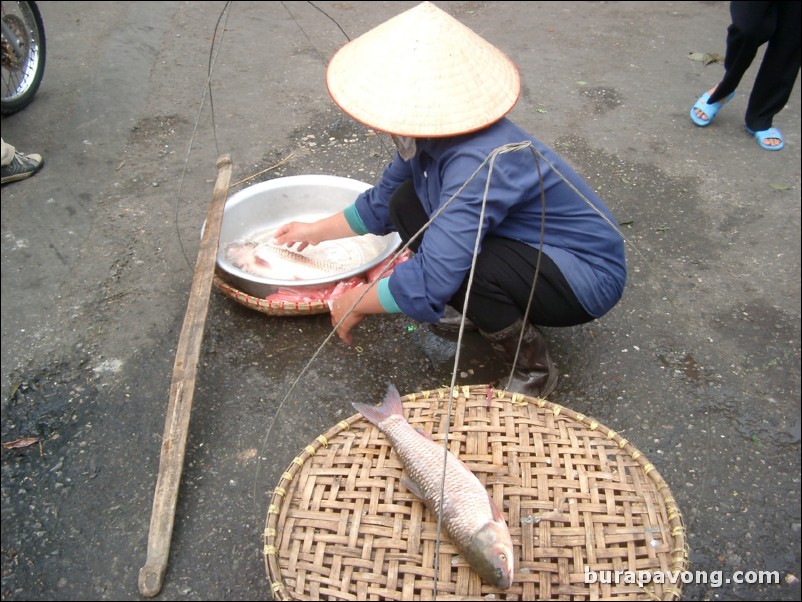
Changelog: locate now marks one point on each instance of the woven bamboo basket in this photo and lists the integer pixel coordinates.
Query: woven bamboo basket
(576, 495)
(268, 306)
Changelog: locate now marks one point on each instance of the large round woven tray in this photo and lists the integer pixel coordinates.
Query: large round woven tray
(577, 497)
(267, 306)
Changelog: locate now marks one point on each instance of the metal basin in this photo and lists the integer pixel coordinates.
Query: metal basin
(254, 212)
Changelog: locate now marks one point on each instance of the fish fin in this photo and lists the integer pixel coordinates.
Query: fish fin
(425, 434)
(497, 515)
(260, 258)
(377, 414)
(412, 486)
(261, 261)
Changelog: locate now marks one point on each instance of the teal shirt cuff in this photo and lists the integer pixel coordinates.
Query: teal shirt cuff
(386, 297)
(354, 221)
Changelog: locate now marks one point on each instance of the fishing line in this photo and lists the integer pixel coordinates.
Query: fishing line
(211, 68)
(615, 227)
(539, 257)
(303, 31)
(332, 19)
(491, 158)
(450, 404)
(367, 288)
(508, 148)
(207, 89)
(323, 59)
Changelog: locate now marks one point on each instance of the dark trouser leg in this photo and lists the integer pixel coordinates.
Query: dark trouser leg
(408, 214)
(751, 27)
(502, 285)
(778, 70)
(497, 303)
(754, 24)
(503, 279)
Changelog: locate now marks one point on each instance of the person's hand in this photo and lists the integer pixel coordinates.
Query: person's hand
(304, 234)
(301, 233)
(340, 309)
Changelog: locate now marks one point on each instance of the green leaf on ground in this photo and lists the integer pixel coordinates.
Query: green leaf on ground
(706, 57)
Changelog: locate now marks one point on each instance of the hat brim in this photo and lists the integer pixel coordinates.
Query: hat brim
(423, 74)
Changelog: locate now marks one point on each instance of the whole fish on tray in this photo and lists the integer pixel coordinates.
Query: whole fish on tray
(470, 517)
(271, 261)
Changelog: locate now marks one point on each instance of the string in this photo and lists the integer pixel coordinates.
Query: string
(207, 90)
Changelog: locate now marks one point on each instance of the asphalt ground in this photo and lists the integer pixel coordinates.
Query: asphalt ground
(699, 365)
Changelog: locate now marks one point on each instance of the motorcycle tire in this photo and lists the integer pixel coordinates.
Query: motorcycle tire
(23, 65)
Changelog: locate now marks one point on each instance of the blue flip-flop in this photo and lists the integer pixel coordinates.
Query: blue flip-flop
(711, 110)
(763, 135)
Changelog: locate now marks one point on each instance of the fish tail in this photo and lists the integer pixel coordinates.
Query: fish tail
(378, 414)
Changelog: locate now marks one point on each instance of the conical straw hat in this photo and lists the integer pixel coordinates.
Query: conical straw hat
(423, 74)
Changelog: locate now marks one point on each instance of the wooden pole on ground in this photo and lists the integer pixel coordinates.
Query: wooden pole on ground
(182, 390)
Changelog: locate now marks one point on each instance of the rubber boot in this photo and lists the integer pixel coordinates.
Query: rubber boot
(535, 374)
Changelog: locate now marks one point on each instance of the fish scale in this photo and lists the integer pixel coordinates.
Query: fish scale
(320, 264)
(423, 459)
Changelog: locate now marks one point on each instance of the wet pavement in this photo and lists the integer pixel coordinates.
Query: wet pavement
(699, 365)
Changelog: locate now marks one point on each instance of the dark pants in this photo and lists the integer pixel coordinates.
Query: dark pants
(754, 24)
(502, 282)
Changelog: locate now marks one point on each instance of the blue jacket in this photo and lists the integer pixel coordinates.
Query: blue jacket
(577, 237)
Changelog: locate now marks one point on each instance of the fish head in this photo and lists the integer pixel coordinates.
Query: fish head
(491, 554)
(240, 253)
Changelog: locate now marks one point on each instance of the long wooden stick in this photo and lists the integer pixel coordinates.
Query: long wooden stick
(182, 390)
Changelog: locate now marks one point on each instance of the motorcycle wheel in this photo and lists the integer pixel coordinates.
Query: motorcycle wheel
(22, 70)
